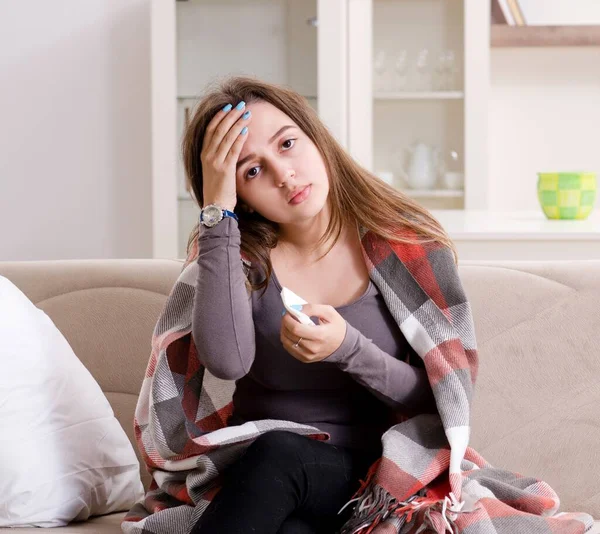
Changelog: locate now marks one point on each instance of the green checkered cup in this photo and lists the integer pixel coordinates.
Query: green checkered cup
(566, 195)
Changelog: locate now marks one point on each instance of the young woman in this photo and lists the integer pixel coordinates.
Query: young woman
(275, 185)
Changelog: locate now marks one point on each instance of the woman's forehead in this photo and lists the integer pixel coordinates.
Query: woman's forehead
(266, 114)
(265, 126)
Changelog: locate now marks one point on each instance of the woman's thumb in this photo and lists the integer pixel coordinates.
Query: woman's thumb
(316, 310)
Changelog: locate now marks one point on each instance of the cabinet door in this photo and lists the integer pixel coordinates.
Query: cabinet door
(300, 44)
(411, 68)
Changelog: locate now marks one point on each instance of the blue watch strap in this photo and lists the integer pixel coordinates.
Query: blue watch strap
(227, 213)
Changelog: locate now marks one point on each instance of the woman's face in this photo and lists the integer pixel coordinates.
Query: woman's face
(277, 160)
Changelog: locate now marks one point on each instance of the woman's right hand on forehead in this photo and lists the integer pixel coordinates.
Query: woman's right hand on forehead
(224, 138)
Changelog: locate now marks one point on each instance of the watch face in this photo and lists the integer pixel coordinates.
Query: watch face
(211, 215)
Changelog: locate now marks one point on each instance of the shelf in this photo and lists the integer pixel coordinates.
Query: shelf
(419, 95)
(431, 193)
(517, 225)
(503, 35)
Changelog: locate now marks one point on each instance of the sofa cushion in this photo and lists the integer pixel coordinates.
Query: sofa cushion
(97, 305)
(106, 524)
(111, 524)
(63, 454)
(535, 405)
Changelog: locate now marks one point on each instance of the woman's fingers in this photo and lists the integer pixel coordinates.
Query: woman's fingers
(294, 329)
(234, 134)
(209, 133)
(236, 148)
(289, 342)
(219, 127)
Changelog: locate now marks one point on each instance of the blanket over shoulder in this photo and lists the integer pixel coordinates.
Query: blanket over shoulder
(428, 479)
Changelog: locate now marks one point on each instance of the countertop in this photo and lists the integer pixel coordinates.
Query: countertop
(516, 225)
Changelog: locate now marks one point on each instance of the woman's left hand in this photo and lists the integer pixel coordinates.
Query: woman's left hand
(318, 341)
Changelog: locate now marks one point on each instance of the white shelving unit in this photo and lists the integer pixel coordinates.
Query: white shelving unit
(520, 235)
(439, 193)
(420, 95)
(324, 50)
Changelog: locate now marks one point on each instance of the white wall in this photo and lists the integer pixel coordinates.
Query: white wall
(560, 12)
(75, 162)
(544, 116)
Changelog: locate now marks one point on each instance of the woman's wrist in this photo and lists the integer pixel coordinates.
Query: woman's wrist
(224, 205)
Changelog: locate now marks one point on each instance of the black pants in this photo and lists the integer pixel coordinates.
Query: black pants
(286, 483)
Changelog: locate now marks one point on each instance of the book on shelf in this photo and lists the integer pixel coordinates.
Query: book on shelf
(508, 12)
(517, 12)
(501, 13)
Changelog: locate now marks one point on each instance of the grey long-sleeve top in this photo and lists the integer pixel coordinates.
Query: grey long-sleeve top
(349, 394)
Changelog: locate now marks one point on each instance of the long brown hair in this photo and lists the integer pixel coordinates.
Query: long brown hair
(356, 195)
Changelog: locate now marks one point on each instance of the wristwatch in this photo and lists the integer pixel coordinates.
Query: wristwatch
(211, 214)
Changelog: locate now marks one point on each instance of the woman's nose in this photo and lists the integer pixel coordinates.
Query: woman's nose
(283, 174)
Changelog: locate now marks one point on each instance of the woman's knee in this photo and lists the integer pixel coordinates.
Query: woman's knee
(273, 456)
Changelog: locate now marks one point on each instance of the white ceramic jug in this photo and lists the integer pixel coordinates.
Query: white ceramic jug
(422, 167)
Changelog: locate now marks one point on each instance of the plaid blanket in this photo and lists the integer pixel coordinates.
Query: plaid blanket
(428, 479)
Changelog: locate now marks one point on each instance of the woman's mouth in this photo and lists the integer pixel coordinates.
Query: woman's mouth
(301, 196)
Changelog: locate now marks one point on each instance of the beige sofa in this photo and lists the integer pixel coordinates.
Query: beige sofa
(536, 408)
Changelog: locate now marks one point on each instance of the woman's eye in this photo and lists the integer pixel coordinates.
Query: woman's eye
(249, 173)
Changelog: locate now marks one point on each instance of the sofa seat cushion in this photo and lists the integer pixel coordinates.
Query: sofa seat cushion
(111, 524)
(105, 524)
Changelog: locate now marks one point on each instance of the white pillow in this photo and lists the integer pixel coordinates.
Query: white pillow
(63, 455)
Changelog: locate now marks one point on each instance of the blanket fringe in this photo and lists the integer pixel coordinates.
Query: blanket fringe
(376, 505)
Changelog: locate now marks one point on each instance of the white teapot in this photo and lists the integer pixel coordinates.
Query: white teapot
(421, 172)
